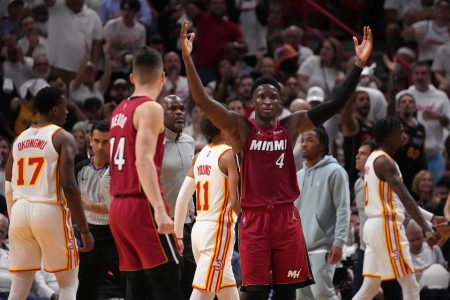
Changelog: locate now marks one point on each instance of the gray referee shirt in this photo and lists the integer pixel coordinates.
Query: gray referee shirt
(178, 153)
(88, 178)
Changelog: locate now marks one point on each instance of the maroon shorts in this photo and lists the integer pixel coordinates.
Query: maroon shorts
(272, 247)
(134, 231)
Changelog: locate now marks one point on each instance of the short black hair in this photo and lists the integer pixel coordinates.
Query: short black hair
(102, 126)
(46, 99)
(208, 129)
(384, 127)
(371, 143)
(444, 181)
(92, 104)
(265, 80)
(147, 63)
(324, 140)
(135, 5)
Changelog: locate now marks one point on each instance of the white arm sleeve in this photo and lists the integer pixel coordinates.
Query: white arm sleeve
(181, 207)
(8, 196)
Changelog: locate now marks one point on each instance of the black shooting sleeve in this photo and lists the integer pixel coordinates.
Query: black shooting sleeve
(324, 111)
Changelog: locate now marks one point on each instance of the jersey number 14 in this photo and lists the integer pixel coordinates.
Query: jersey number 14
(118, 158)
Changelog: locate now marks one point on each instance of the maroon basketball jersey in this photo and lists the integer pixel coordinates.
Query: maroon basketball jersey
(124, 177)
(268, 168)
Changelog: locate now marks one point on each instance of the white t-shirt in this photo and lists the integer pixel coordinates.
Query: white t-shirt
(83, 92)
(254, 33)
(378, 103)
(430, 37)
(403, 6)
(134, 37)
(69, 33)
(41, 48)
(440, 62)
(318, 76)
(430, 100)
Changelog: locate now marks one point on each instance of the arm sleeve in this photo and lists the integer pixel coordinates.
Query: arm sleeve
(181, 207)
(324, 111)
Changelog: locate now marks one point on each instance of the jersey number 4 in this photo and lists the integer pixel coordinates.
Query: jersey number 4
(22, 166)
(118, 158)
(202, 196)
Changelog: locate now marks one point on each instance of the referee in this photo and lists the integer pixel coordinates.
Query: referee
(103, 258)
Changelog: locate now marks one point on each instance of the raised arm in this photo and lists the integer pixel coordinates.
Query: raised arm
(148, 121)
(65, 143)
(300, 121)
(221, 117)
(349, 123)
(385, 170)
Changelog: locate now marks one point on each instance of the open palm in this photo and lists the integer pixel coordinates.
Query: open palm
(187, 39)
(364, 49)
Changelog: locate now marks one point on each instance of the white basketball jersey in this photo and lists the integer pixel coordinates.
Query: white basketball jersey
(211, 184)
(380, 199)
(35, 173)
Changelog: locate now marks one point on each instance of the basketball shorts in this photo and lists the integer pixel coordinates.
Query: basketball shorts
(272, 248)
(41, 234)
(135, 233)
(387, 253)
(212, 246)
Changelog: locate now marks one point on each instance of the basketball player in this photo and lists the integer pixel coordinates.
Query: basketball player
(271, 238)
(387, 255)
(214, 175)
(40, 187)
(140, 224)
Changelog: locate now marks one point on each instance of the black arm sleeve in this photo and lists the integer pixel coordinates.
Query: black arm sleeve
(322, 112)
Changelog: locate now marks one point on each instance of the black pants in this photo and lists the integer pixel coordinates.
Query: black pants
(94, 265)
(188, 267)
(159, 283)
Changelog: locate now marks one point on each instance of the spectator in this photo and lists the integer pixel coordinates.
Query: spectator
(368, 84)
(32, 43)
(73, 29)
(92, 108)
(423, 256)
(440, 67)
(7, 94)
(111, 9)
(223, 86)
(441, 192)
(356, 128)
(293, 36)
(430, 34)
(286, 62)
(78, 134)
(253, 31)
(433, 111)
(119, 90)
(169, 24)
(411, 156)
(422, 190)
(10, 24)
(243, 87)
(84, 85)
(23, 108)
(216, 36)
(124, 35)
(194, 129)
(175, 83)
(16, 66)
(324, 210)
(399, 13)
(291, 90)
(323, 70)
(236, 105)
(41, 67)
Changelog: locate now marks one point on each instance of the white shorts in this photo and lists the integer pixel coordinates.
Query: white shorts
(41, 234)
(387, 253)
(212, 246)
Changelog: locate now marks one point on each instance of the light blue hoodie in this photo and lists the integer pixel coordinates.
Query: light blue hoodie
(324, 204)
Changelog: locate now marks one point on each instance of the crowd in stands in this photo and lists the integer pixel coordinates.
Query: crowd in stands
(85, 48)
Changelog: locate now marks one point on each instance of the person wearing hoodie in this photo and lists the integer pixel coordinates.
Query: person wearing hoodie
(324, 207)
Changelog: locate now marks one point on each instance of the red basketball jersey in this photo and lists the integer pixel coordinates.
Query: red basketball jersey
(124, 177)
(268, 168)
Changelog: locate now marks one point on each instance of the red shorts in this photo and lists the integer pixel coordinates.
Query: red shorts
(134, 231)
(271, 239)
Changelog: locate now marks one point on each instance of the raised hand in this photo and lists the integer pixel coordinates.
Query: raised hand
(186, 39)
(364, 49)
